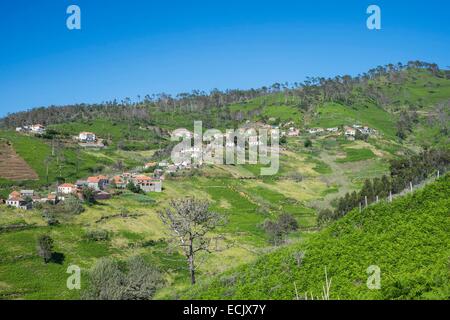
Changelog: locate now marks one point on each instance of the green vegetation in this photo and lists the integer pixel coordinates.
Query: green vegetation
(354, 155)
(65, 162)
(327, 172)
(386, 235)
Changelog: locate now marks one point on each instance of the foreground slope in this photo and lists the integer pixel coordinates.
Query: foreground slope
(408, 240)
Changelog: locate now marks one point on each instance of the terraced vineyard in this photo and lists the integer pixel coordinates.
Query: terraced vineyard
(12, 166)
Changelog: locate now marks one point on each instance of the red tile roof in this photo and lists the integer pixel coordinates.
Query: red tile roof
(67, 185)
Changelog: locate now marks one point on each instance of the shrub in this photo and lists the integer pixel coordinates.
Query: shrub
(133, 280)
(96, 235)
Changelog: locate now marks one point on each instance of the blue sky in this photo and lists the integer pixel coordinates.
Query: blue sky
(137, 47)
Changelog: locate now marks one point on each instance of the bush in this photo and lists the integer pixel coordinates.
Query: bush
(96, 235)
(73, 205)
(134, 280)
(308, 143)
(277, 230)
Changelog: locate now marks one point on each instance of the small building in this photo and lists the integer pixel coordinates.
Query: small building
(52, 198)
(97, 182)
(37, 128)
(102, 195)
(26, 193)
(150, 165)
(148, 184)
(293, 132)
(16, 200)
(19, 203)
(350, 132)
(119, 182)
(67, 188)
(81, 184)
(315, 130)
(334, 129)
(181, 133)
(87, 137)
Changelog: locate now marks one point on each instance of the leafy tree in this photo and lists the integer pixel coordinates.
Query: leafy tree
(88, 195)
(135, 188)
(45, 247)
(73, 205)
(287, 222)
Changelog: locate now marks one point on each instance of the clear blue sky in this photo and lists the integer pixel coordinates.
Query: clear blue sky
(137, 47)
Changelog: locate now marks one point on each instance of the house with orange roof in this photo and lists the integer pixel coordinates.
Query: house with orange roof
(150, 165)
(148, 184)
(119, 182)
(97, 182)
(17, 201)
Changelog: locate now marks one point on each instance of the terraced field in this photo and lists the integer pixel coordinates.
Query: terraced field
(12, 166)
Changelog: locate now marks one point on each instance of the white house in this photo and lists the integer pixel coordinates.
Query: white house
(293, 132)
(182, 132)
(87, 137)
(37, 128)
(350, 131)
(17, 201)
(315, 130)
(67, 188)
(334, 129)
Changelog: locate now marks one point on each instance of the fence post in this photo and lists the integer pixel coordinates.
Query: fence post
(360, 209)
(390, 196)
(365, 199)
(410, 186)
(377, 199)
(438, 174)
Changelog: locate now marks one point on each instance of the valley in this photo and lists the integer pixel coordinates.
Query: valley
(360, 126)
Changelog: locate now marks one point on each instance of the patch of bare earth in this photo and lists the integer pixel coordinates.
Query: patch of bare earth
(12, 166)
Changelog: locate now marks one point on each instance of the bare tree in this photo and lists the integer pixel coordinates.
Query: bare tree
(191, 222)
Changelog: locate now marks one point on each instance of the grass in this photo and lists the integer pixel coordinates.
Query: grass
(354, 155)
(35, 151)
(408, 240)
(334, 114)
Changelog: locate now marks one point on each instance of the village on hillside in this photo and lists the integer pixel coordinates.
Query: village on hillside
(102, 186)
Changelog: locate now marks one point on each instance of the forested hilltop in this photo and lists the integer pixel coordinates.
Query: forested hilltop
(404, 89)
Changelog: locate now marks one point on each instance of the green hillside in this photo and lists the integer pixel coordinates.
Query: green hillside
(409, 240)
(36, 151)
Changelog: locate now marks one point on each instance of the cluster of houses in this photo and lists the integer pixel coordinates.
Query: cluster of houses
(34, 128)
(349, 132)
(24, 199)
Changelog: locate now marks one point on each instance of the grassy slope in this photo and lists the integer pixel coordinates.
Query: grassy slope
(408, 239)
(34, 151)
(334, 114)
